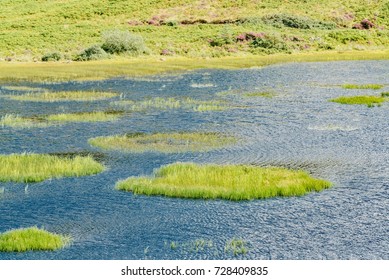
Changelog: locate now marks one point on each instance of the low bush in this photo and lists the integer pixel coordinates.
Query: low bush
(293, 21)
(91, 53)
(270, 43)
(117, 42)
(54, 56)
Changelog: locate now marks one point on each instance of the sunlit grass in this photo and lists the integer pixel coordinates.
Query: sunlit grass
(236, 246)
(40, 167)
(16, 121)
(63, 96)
(163, 142)
(367, 100)
(159, 103)
(366, 86)
(265, 94)
(31, 239)
(231, 182)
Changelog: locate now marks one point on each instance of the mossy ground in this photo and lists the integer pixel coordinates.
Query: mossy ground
(39, 167)
(31, 239)
(231, 182)
(163, 142)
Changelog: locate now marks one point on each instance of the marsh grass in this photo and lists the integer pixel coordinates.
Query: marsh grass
(32, 239)
(237, 246)
(159, 103)
(369, 101)
(26, 168)
(385, 94)
(16, 121)
(366, 86)
(23, 88)
(164, 142)
(63, 96)
(266, 94)
(231, 182)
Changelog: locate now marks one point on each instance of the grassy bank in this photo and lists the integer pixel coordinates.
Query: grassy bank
(163, 142)
(31, 239)
(97, 70)
(232, 182)
(40, 167)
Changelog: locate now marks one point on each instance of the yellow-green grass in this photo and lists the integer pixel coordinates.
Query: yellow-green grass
(16, 121)
(63, 96)
(47, 120)
(367, 100)
(164, 142)
(236, 246)
(385, 94)
(32, 239)
(266, 94)
(98, 70)
(160, 103)
(366, 86)
(40, 167)
(22, 88)
(231, 182)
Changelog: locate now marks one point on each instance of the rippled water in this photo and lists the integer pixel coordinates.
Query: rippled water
(297, 128)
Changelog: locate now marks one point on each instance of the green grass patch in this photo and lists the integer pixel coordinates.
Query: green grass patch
(367, 86)
(22, 88)
(163, 142)
(367, 100)
(159, 103)
(385, 94)
(265, 94)
(57, 119)
(231, 182)
(39, 167)
(236, 246)
(31, 239)
(63, 96)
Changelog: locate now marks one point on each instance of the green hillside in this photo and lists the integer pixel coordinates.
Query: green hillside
(30, 29)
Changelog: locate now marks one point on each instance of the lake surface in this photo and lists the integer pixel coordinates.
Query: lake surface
(298, 128)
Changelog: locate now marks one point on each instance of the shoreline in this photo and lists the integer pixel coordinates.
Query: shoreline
(16, 72)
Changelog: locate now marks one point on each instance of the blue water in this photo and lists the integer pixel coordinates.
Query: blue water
(297, 128)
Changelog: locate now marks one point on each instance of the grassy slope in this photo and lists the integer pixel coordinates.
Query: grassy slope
(29, 29)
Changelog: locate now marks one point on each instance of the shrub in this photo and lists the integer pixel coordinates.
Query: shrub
(270, 43)
(225, 37)
(117, 42)
(347, 36)
(364, 24)
(54, 56)
(91, 53)
(280, 20)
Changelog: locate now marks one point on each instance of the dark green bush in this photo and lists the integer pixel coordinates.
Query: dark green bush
(92, 53)
(117, 42)
(347, 36)
(270, 43)
(54, 56)
(281, 20)
(225, 37)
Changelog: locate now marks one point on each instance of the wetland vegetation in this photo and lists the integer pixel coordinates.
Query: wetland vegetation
(26, 168)
(32, 239)
(368, 100)
(231, 182)
(63, 96)
(367, 86)
(164, 142)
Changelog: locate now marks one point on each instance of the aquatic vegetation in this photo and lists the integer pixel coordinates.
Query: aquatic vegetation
(31, 239)
(266, 94)
(232, 182)
(47, 120)
(63, 96)
(237, 246)
(160, 103)
(367, 86)
(22, 88)
(85, 117)
(385, 94)
(164, 142)
(368, 100)
(23, 122)
(39, 167)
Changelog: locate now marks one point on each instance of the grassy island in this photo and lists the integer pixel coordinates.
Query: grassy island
(63, 96)
(39, 167)
(163, 142)
(231, 182)
(367, 100)
(31, 239)
(367, 86)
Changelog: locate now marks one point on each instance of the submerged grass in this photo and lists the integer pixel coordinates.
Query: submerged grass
(266, 94)
(237, 246)
(160, 103)
(163, 142)
(22, 122)
(40, 167)
(63, 96)
(367, 100)
(31, 239)
(367, 86)
(231, 182)
(22, 88)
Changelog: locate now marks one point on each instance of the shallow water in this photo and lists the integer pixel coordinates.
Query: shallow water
(297, 128)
